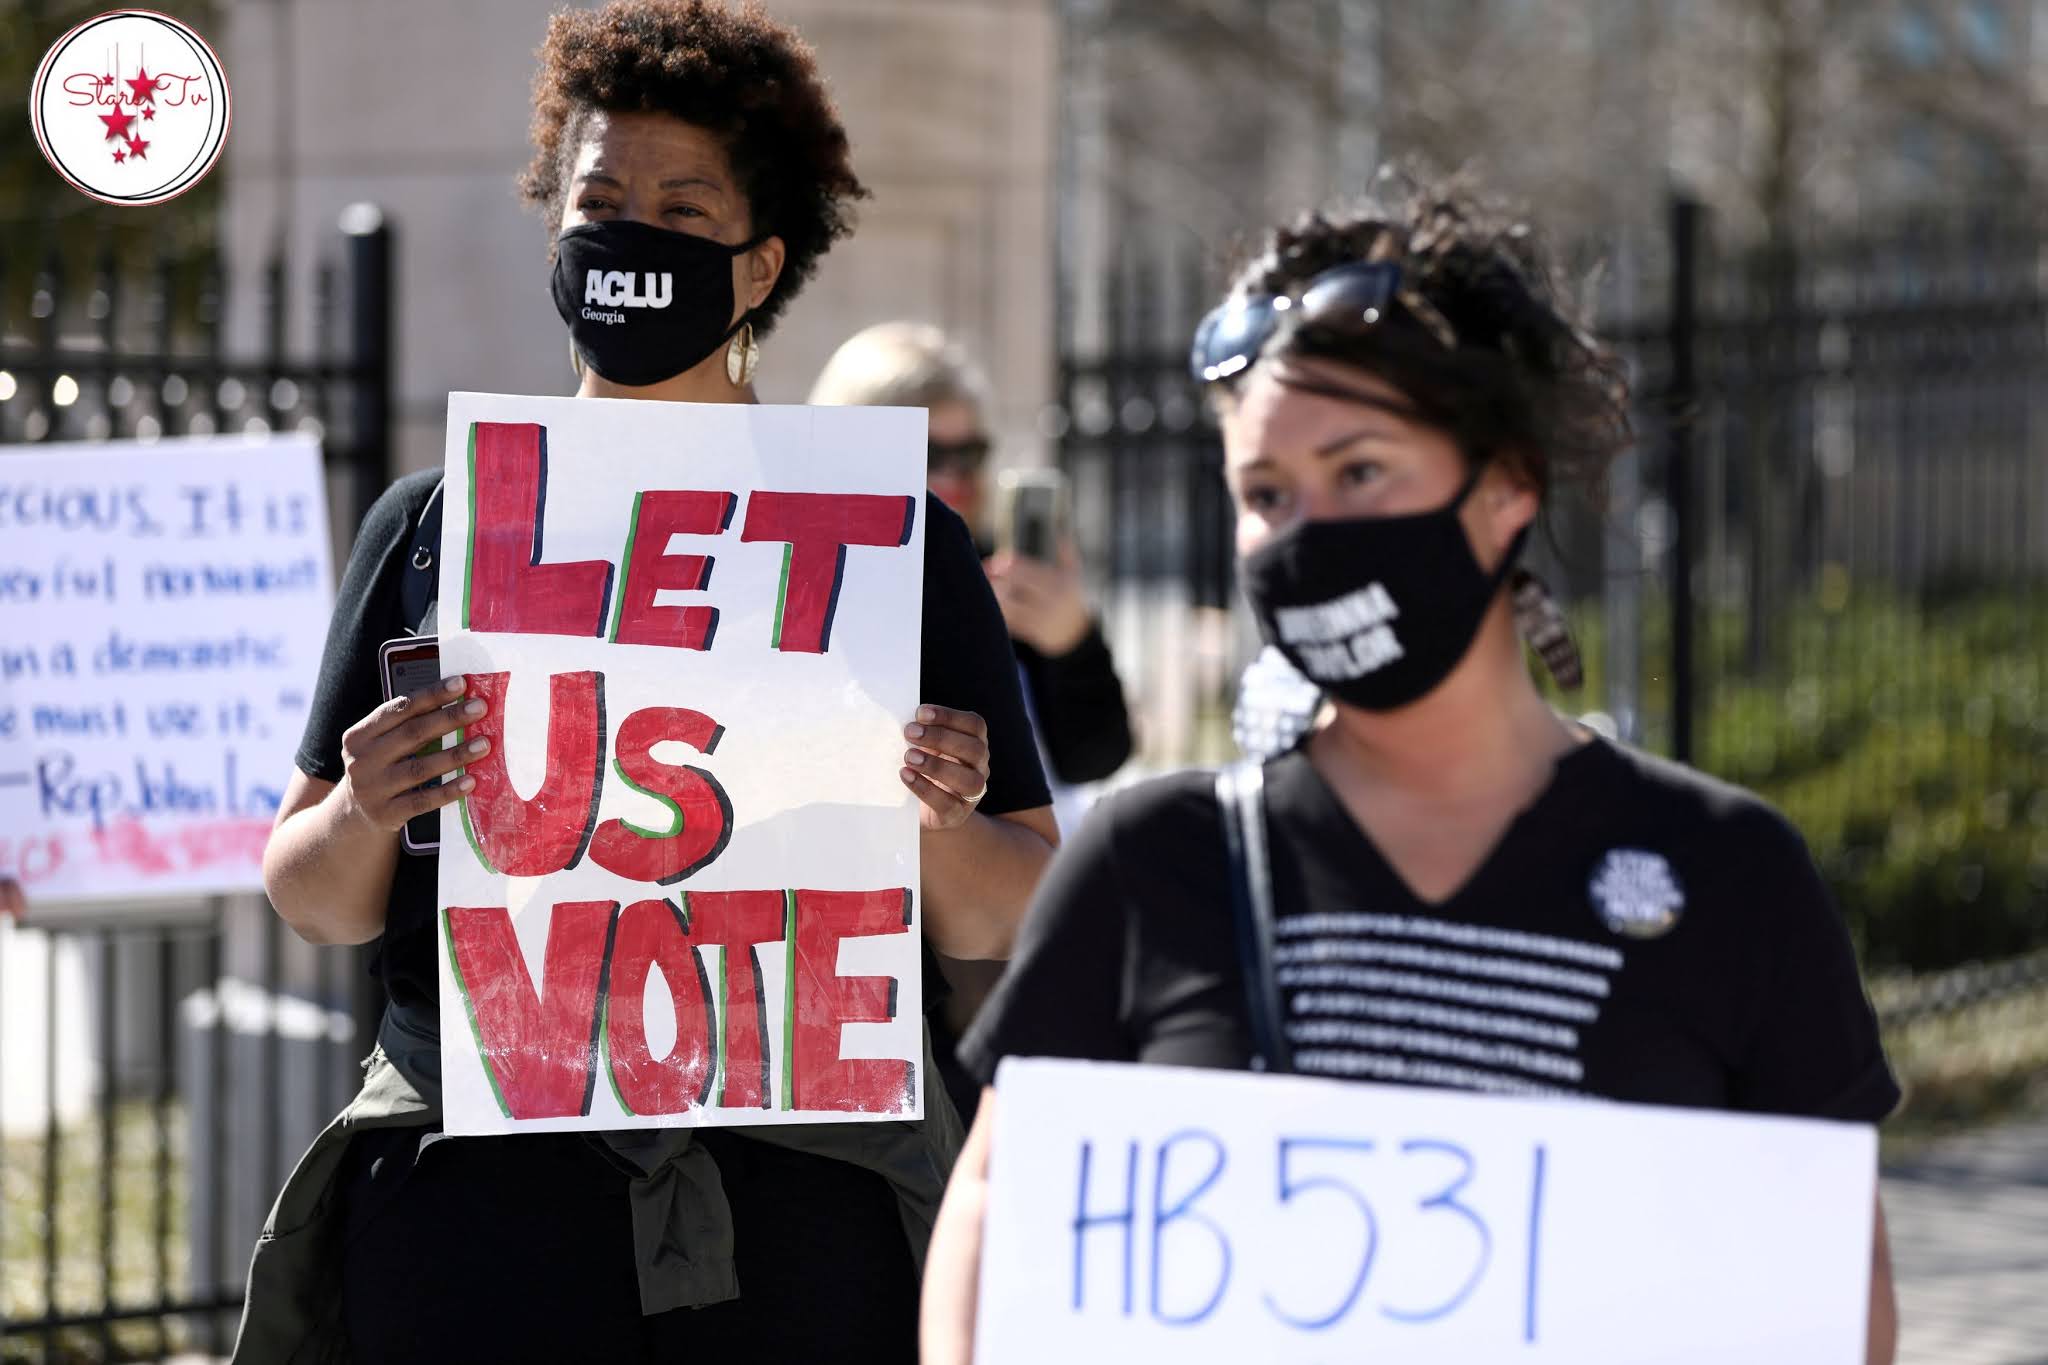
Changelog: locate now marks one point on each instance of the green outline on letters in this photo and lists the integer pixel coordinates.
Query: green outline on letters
(469, 532)
(782, 595)
(717, 1096)
(626, 568)
(604, 1047)
(675, 811)
(462, 804)
(475, 1029)
(789, 999)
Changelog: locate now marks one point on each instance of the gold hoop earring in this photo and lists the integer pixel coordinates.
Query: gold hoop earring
(741, 356)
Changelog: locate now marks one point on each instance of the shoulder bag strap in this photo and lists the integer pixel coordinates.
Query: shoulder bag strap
(1240, 792)
(422, 580)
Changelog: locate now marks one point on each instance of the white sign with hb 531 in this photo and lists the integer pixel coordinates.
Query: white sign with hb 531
(1153, 1213)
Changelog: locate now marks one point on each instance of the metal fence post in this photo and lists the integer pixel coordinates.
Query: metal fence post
(369, 464)
(1684, 402)
(370, 355)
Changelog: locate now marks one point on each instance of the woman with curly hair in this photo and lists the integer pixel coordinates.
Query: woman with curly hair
(685, 138)
(1394, 897)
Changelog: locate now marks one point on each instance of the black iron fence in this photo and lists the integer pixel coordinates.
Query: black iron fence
(1843, 443)
(166, 1066)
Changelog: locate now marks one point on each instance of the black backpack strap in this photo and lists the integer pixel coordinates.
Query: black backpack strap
(1241, 793)
(422, 581)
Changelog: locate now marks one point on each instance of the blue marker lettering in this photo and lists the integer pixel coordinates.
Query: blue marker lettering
(1084, 1221)
(1290, 1186)
(1535, 1247)
(1182, 1210)
(1447, 1198)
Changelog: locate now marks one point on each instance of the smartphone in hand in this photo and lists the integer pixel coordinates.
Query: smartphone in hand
(409, 664)
(1033, 513)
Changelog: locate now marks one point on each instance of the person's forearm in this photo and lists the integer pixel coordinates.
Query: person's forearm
(329, 874)
(978, 879)
(952, 1266)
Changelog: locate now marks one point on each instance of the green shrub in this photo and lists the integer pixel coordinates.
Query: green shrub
(1908, 740)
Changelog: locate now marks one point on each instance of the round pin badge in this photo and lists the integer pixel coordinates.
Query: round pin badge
(1636, 893)
(130, 107)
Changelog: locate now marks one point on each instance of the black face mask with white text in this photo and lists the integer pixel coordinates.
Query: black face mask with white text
(643, 303)
(1376, 611)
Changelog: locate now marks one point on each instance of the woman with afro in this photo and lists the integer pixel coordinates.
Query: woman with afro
(685, 137)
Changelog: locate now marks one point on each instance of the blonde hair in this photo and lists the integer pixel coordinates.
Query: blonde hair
(901, 364)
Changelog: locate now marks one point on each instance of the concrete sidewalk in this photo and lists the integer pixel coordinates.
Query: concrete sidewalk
(1969, 1234)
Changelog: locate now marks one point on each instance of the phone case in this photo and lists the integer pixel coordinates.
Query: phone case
(420, 835)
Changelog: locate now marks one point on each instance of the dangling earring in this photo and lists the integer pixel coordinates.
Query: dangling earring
(742, 356)
(1541, 624)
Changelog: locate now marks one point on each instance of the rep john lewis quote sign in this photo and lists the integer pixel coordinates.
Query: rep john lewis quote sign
(162, 610)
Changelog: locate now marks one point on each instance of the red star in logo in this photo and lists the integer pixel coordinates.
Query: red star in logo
(119, 156)
(117, 122)
(143, 87)
(149, 113)
(136, 148)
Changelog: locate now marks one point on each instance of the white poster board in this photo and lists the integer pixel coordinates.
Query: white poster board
(163, 607)
(1152, 1213)
(684, 891)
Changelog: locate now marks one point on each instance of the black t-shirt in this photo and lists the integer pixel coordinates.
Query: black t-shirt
(1079, 702)
(965, 664)
(797, 1216)
(1640, 933)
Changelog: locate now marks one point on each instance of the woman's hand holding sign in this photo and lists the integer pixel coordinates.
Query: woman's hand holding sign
(948, 767)
(329, 863)
(978, 869)
(392, 753)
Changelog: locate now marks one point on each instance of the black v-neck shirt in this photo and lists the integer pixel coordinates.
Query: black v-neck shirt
(1640, 932)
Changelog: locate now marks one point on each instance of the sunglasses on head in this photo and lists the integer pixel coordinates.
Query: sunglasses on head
(1348, 299)
(963, 457)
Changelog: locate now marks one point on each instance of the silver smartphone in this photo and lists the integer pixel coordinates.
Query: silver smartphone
(1032, 518)
(409, 664)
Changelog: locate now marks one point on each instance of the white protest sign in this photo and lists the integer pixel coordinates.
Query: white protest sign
(684, 890)
(162, 611)
(1153, 1213)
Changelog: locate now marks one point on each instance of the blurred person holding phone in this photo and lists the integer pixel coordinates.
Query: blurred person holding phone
(1070, 682)
(1072, 686)
(696, 139)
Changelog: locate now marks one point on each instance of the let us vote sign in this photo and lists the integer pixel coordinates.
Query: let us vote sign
(1150, 1213)
(684, 890)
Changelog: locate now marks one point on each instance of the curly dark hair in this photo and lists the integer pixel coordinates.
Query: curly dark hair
(733, 71)
(1525, 382)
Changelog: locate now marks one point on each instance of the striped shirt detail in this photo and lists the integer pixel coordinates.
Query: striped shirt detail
(1439, 1016)
(1442, 988)
(1459, 935)
(1380, 1067)
(1440, 960)
(1427, 1001)
(1433, 1044)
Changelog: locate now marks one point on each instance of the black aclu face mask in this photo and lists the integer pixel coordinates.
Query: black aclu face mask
(1376, 611)
(644, 304)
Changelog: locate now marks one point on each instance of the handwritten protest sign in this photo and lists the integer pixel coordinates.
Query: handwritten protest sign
(1151, 1213)
(162, 612)
(684, 889)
